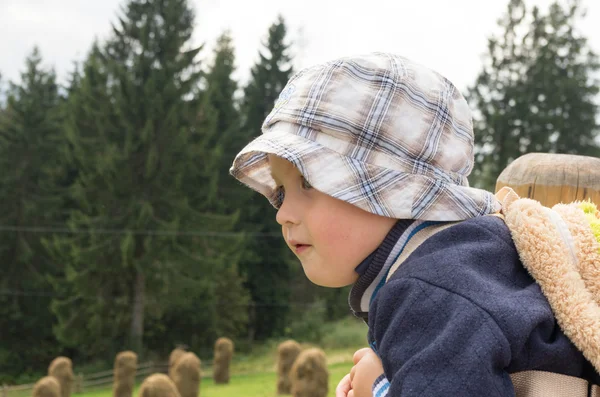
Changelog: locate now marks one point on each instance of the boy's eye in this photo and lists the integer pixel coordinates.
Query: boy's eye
(305, 184)
(280, 195)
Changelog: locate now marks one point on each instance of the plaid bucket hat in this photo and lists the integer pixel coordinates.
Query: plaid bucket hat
(378, 131)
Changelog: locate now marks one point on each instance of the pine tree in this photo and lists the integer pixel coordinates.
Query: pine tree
(220, 100)
(536, 91)
(268, 78)
(145, 187)
(31, 169)
(93, 287)
(266, 263)
(221, 89)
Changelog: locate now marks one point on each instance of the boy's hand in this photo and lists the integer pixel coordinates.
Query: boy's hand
(344, 387)
(359, 382)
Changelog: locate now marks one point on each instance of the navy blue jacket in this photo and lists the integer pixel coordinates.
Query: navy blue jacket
(462, 313)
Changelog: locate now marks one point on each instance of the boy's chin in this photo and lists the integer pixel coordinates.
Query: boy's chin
(328, 283)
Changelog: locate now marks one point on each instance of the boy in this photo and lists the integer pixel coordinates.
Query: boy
(366, 159)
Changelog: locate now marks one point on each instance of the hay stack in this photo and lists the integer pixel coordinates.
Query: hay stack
(222, 360)
(309, 374)
(62, 369)
(173, 357)
(287, 352)
(187, 375)
(553, 178)
(158, 385)
(48, 386)
(124, 374)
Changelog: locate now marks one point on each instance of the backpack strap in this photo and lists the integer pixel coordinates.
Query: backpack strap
(415, 241)
(418, 239)
(550, 384)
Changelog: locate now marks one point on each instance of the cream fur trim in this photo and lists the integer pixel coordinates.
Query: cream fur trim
(561, 254)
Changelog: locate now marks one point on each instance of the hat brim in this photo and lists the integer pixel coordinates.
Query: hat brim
(381, 191)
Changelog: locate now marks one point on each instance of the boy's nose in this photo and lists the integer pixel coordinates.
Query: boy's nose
(287, 213)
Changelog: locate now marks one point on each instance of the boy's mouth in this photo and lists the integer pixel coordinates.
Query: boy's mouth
(301, 248)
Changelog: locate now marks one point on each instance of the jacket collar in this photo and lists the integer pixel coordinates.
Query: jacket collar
(373, 269)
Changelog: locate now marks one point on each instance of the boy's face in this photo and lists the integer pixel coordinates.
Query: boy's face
(329, 236)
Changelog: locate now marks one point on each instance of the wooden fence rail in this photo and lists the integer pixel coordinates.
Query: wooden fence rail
(87, 382)
(101, 380)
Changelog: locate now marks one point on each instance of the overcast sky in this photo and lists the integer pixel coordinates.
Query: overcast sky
(448, 36)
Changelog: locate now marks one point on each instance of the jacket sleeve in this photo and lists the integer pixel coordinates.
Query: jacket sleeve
(381, 386)
(434, 342)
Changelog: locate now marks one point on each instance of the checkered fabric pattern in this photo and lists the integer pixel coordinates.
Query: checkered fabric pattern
(378, 131)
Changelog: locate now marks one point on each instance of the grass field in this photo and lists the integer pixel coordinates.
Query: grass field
(254, 374)
(261, 384)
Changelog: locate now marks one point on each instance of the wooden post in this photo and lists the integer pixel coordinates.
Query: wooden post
(152, 367)
(553, 178)
(79, 383)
